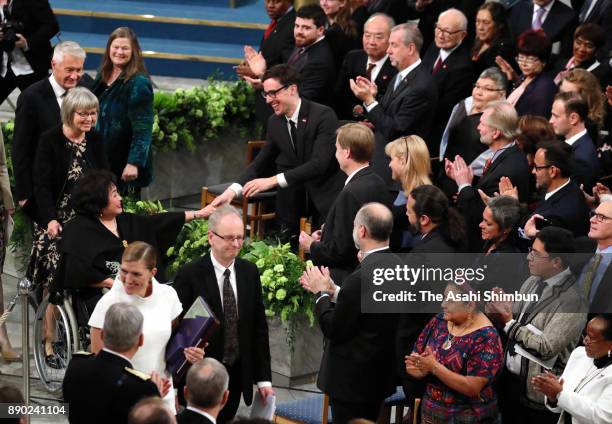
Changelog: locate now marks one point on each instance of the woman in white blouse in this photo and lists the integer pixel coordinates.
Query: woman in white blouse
(583, 394)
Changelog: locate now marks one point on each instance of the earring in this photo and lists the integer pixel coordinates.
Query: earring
(609, 354)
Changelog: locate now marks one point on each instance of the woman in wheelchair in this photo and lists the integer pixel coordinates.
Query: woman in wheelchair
(159, 304)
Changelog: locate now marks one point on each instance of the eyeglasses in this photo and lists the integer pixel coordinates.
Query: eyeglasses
(530, 60)
(534, 256)
(483, 88)
(537, 168)
(230, 239)
(273, 93)
(599, 217)
(87, 114)
(446, 31)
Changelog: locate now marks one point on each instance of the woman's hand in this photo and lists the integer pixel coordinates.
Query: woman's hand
(413, 368)
(130, 173)
(162, 383)
(506, 68)
(193, 354)
(54, 228)
(548, 384)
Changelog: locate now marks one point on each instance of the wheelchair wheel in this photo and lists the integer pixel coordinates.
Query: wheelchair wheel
(51, 368)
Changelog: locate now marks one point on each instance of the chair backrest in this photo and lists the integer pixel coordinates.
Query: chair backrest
(253, 147)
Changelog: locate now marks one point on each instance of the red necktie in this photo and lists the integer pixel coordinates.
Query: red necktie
(270, 28)
(437, 66)
(487, 165)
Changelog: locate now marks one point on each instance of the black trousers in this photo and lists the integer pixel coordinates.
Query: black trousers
(235, 392)
(343, 412)
(512, 411)
(10, 82)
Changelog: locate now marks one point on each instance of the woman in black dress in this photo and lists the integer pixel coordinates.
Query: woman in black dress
(492, 37)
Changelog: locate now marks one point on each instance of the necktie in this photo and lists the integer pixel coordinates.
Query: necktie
(590, 274)
(270, 28)
(398, 80)
(230, 315)
(487, 164)
(537, 19)
(295, 55)
(437, 66)
(369, 70)
(293, 134)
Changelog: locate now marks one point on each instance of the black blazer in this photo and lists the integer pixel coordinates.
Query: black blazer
(357, 364)
(191, 417)
(197, 278)
(280, 43)
(586, 162)
(503, 47)
(454, 82)
(538, 97)
(314, 164)
(405, 111)
(337, 248)
(600, 15)
(340, 43)
(354, 65)
(601, 69)
(317, 68)
(51, 167)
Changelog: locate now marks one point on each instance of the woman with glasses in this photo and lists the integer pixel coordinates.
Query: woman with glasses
(583, 393)
(492, 37)
(534, 90)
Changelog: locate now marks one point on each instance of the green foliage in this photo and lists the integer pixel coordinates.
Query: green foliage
(142, 207)
(191, 243)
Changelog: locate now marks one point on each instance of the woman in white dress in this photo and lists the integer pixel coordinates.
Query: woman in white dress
(583, 394)
(159, 305)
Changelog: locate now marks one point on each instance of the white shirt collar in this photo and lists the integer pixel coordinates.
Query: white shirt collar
(556, 280)
(218, 265)
(378, 62)
(112, 352)
(377, 66)
(378, 249)
(444, 53)
(57, 89)
(296, 113)
(406, 71)
(549, 195)
(206, 414)
(575, 137)
(350, 177)
(546, 8)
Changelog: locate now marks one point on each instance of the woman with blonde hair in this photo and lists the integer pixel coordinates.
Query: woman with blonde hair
(587, 85)
(411, 167)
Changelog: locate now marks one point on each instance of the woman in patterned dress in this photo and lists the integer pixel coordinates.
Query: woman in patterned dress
(64, 153)
(460, 353)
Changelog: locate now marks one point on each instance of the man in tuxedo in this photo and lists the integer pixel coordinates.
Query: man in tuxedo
(372, 63)
(357, 368)
(232, 289)
(38, 109)
(408, 105)
(300, 147)
(25, 49)
(333, 246)
(103, 388)
(206, 392)
(568, 114)
(556, 19)
(450, 64)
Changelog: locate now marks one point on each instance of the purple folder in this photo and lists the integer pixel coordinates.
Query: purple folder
(197, 326)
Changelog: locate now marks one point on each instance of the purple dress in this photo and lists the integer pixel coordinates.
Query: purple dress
(477, 354)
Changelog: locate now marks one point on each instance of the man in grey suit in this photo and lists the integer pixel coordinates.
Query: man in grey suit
(408, 105)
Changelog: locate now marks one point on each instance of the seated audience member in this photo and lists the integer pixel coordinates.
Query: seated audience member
(11, 394)
(461, 136)
(372, 63)
(534, 89)
(103, 388)
(568, 116)
(151, 411)
(410, 166)
(459, 353)
(588, 41)
(582, 393)
(448, 60)
(547, 328)
(136, 284)
(206, 392)
(300, 146)
(563, 203)
(498, 127)
(357, 371)
(333, 246)
(492, 37)
(407, 107)
(340, 29)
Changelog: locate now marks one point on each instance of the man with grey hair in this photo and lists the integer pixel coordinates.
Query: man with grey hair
(358, 368)
(103, 388)
(408, 105)
(38, 109)
(151, 410)
(206, 392)
(232, 288)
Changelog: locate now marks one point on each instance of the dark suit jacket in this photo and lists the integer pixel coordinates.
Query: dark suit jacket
(317, 72)
(101, 390)
(567, 209)
(357, 364)
(601, 69)
(314, 164)
(53, 160)
(340, 43)
(559, 25)
(586, 163)
(337, 248)
(354, 65)
(405, 111)
(503, 47)
(191, 417)
(198, 279)
(454, 82)
(538, 97)
(600, 15)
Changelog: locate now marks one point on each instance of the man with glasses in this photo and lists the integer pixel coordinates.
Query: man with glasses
(232, 289)
(540, 333)
(299, 148)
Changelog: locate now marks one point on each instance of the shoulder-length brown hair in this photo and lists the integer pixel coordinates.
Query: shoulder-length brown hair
(135, 65)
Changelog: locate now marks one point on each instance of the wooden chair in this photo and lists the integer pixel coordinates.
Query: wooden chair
(253, 208)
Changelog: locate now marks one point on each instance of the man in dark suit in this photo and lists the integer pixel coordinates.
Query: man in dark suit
(556, 19)
(300, 147)
(408, 105)
(103, 388)
(372, 62)
(231, 287)
(38, 109)
(151, 410)
(568, 115)
(450, 64)
(206, 392)
(26, 50)
(357, 369)
(497, 128)
(333, 246)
